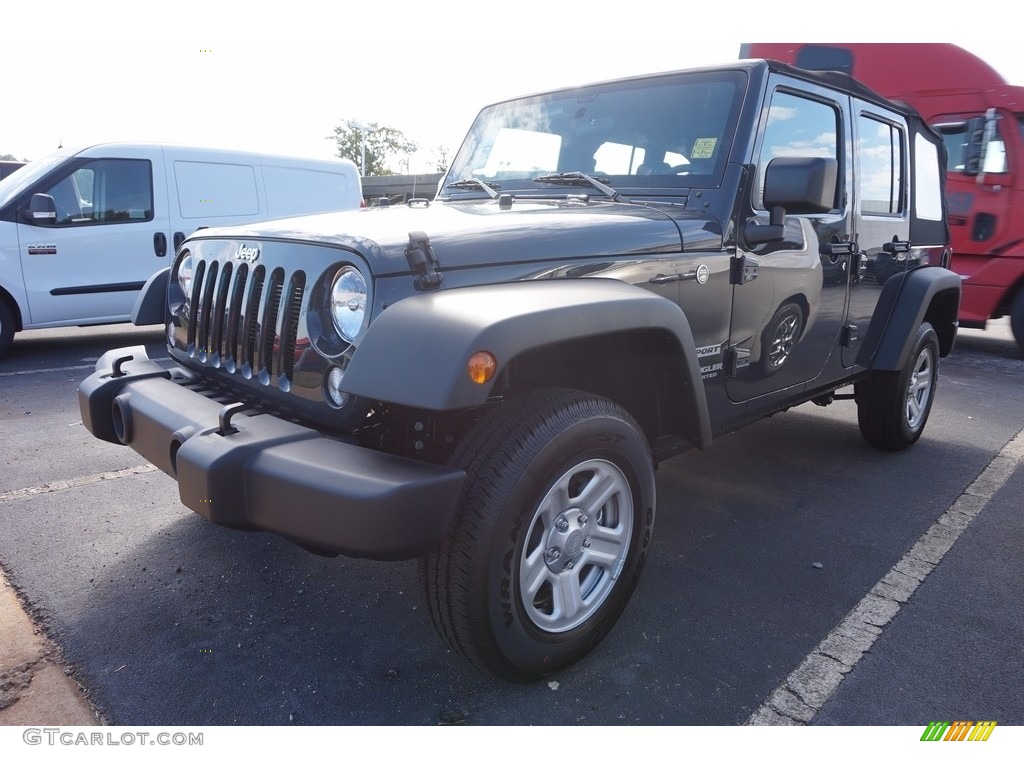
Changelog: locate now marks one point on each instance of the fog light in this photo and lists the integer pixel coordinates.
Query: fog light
(481, 367)
(332, 386)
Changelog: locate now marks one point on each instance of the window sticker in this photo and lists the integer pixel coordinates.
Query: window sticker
(703, 148)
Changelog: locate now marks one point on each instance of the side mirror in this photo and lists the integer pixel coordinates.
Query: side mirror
(801, 185)
(41, 209)
(794, 185)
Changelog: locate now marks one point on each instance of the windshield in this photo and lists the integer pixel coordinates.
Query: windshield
(26, 175)
(678, 128)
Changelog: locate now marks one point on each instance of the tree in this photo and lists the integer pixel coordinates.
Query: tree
(384, 145)
(441, 158)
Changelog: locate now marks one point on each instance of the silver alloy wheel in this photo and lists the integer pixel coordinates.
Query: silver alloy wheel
(784, 340)
(919, 389)
(576, 544)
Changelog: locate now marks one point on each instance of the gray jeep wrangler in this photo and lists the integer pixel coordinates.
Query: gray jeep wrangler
(609, 275)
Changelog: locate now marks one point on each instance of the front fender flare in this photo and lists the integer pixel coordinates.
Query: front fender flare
(151, 304)
(415, 353)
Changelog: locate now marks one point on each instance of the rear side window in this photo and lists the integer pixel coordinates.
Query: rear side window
(928, 201)
(295, 191)
(104, 191)
(880, 181)
(211, 190)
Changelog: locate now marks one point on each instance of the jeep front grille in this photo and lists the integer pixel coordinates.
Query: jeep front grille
(245, 320)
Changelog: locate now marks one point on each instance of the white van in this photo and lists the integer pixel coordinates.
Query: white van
(81, 231)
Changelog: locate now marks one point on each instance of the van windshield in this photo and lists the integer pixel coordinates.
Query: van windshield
(27, 175)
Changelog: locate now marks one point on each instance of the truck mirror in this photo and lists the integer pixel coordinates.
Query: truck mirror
(42, 209)
(974, 152)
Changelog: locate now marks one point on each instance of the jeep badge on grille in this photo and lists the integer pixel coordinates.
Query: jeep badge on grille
(245, 253)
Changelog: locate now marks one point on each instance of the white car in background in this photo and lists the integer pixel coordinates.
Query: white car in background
(81, 231)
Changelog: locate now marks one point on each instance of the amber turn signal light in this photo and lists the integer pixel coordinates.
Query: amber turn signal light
(481, 367)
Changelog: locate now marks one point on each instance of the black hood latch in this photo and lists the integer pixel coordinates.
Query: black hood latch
(423, 261)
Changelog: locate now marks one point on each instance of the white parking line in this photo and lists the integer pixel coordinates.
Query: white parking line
(804, 692)
(63, 485)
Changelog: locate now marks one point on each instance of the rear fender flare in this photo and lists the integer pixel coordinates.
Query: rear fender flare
(929, 294)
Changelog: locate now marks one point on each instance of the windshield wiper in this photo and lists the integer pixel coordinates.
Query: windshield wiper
(578, 178)
(474, 184)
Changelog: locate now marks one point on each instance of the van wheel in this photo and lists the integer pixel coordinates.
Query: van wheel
(7, 324)
(551, 535)
(893, 406)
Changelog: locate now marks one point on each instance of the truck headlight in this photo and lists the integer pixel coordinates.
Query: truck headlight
(348, 302)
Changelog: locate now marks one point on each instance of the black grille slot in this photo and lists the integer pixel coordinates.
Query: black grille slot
(270, 314)
(193, 304)
(234, 319)
(251, 325)
(205, 319)
(218, 317)
(290, 325)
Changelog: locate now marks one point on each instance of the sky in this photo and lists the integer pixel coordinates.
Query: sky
(236, 75)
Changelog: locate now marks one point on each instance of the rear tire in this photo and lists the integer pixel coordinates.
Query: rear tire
(893, 406)
(551, 535)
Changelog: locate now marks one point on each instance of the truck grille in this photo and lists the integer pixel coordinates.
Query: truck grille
(245, 319)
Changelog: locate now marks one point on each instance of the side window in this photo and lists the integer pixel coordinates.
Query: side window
(954, 136)
(928, 199)
(881, 153)
(797, 127)
(104, 191)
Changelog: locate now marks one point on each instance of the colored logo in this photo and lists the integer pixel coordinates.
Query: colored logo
(960, 730)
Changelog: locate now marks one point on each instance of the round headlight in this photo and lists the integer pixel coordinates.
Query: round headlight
(348, 302)
(186, 270)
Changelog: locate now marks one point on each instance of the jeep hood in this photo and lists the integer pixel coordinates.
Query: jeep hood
(474, 233)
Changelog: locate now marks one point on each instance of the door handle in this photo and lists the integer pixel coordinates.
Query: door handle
(837, 248)
(660, 279)
(179, 238)
(896, 246)
(160, 244)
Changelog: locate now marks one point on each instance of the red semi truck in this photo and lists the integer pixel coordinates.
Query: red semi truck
(981, 119)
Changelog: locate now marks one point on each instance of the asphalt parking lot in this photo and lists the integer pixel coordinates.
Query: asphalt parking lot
(765, 545)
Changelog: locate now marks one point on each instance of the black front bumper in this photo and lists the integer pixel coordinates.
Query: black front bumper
(265, 473)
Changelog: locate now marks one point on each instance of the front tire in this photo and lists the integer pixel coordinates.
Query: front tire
(551, 536)
(893, 406)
